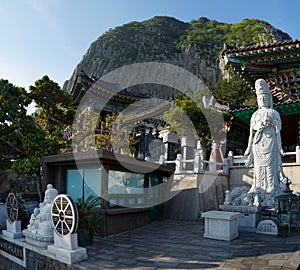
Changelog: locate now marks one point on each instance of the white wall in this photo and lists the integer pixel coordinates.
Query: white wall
(244, 176)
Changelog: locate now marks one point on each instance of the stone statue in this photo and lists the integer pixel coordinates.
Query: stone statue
(264, 153)
(32, 226)
(40, 229)
(264, 147)
(44, 217)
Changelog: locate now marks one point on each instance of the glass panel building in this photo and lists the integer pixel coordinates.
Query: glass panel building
(132, 191)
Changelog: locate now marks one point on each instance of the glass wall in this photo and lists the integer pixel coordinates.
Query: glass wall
(153, 196)
(92, 182)
(81, 183)
(126, 189)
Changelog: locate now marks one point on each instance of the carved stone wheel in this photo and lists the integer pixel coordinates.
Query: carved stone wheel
(12, 208)
(64, 215)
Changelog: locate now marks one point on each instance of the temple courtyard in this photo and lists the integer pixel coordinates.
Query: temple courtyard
(172, 244)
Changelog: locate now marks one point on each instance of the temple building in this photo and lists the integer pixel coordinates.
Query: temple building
(279, 65)
(146, 109)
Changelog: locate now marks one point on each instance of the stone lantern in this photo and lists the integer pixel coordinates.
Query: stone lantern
(288, 209)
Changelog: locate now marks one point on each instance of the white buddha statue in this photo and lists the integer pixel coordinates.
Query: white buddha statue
(40, 221)
(264, 146)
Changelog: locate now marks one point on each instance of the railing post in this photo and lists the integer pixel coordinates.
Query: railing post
(212, 165)
(197, 162)
(178, 163)
(226, 166)
(297, 154)
(230, 159)
(202, 153)
(188, 144)
(161, 159)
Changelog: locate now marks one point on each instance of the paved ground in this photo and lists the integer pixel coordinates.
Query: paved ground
(180, 245)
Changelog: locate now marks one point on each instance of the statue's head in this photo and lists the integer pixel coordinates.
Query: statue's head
(263, 93)
(50, 194)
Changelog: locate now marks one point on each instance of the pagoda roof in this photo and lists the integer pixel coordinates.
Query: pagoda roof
(102, 88)
(154, 112)
(284, 108)
(278, 63)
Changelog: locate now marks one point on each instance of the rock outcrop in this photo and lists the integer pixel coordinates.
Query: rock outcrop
(194, 46)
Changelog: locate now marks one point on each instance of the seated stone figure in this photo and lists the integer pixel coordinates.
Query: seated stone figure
(40, 227)
(32, 222)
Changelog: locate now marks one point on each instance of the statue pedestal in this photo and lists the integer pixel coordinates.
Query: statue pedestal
(249, 216)
(37, 239)
(65, 249)
(13, 230)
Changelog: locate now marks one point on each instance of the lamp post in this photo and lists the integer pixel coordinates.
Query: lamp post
(146, 136)
(288, 208)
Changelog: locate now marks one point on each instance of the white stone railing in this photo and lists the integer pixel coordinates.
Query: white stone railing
(240, 161)
(236, 161)
(199, 165)
(295, 153)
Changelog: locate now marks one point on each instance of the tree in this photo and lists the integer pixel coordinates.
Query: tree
(54, 108)
(34, 144)
(190, 116)
(14, 101)
(187, 117)
(25, 139)
(233, 91)
(111, 134)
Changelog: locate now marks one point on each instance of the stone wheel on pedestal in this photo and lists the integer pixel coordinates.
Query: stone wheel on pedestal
(64, 215)
(12, 208)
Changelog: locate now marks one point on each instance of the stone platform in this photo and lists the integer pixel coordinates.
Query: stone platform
(249, 216)
(38, 240)
(65, 249)
(13, 230)
(221, 225)
(173, 244)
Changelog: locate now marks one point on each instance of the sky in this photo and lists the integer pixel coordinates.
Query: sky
(50, 37)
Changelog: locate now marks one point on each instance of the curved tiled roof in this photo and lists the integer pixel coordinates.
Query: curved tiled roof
(83, 82)
(278, 63)
(287, 43)
(287, 107)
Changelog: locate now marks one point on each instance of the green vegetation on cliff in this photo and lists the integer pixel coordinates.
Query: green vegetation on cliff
(194, 46)
(210, 35)
(248, 32)
(156, 36)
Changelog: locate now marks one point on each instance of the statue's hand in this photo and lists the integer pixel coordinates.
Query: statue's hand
(282, 152)
(268, 119)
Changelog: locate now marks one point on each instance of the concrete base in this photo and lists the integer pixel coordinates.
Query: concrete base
(12, 235)
(37, 240)
(65, 249)
(67, 256)
(248, 219)
(69, 242)
(13, 230)
(247, 222)
(221, 225)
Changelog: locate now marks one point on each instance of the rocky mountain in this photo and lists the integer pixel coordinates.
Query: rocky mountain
(194, 46)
